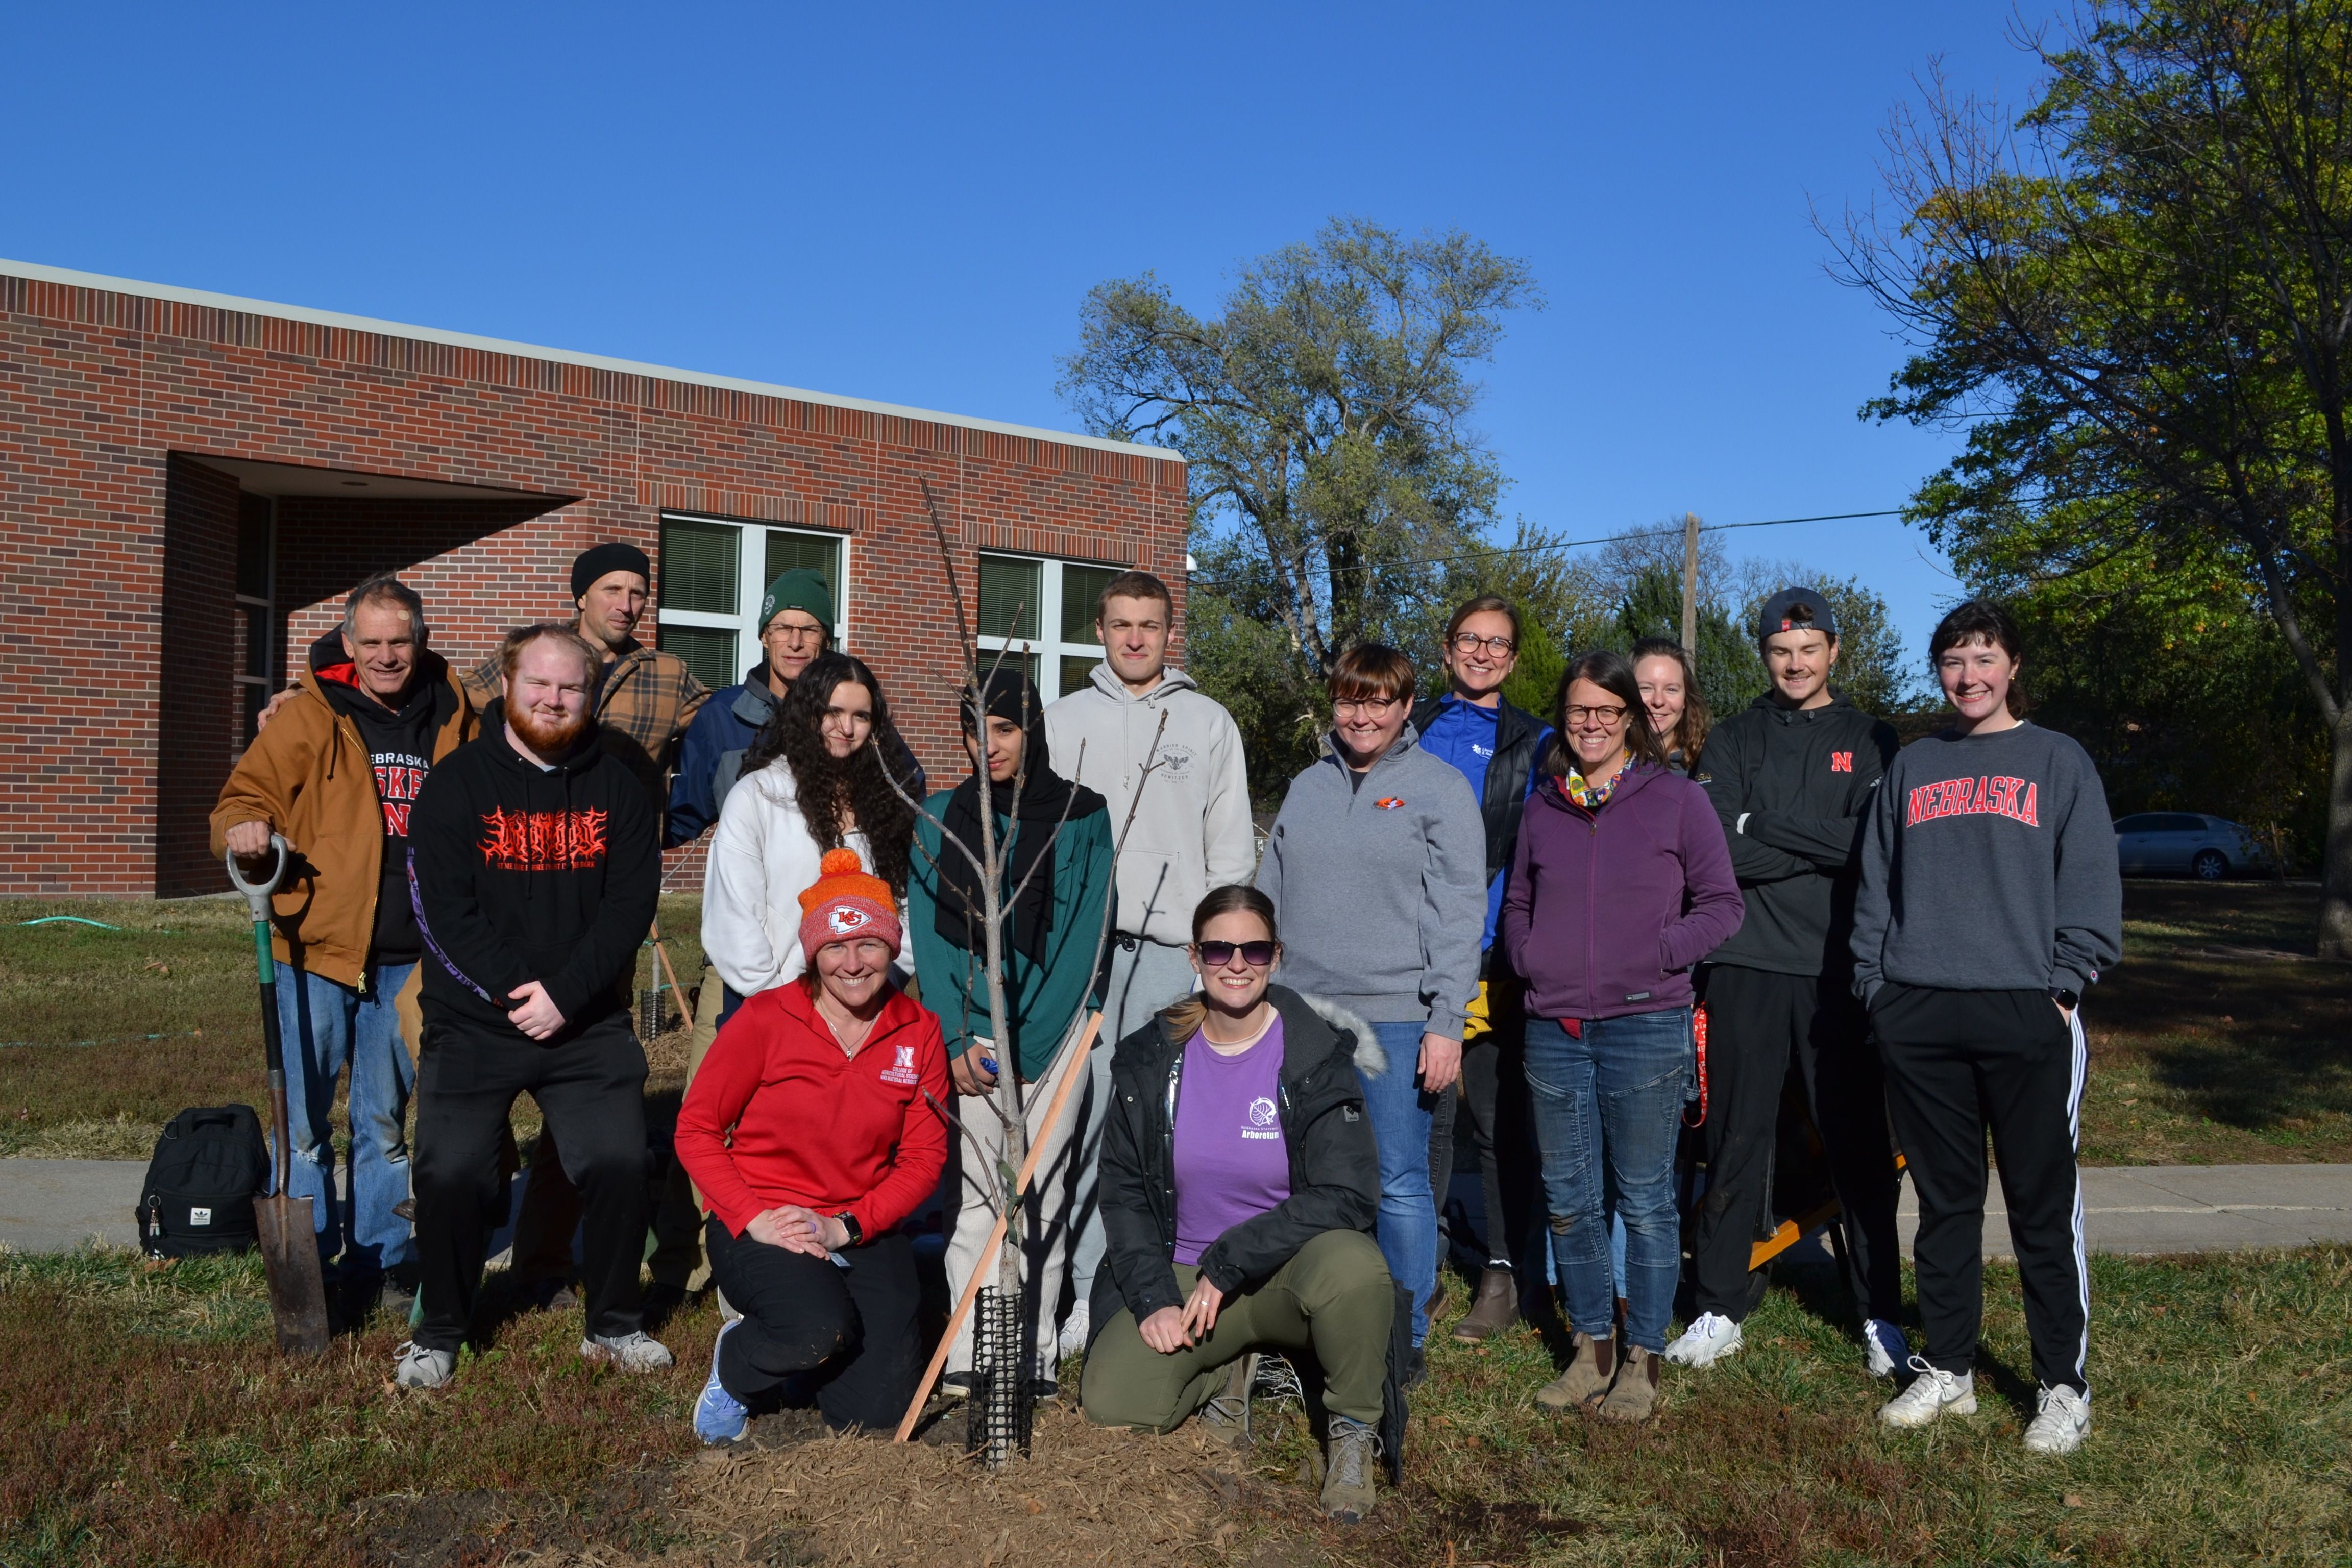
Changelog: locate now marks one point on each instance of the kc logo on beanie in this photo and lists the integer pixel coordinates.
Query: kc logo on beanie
(845, 904)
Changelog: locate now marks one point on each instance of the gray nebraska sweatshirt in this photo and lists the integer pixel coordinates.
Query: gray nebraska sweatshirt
(1378, 884)
(1987, 864)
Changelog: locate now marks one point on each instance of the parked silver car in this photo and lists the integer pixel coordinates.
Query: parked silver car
(2172, 842)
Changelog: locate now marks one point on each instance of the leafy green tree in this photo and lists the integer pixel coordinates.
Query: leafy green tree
(2138, 307)
(1323, 413)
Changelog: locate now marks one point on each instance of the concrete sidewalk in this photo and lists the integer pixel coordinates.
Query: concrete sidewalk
(2187, 1208)
(54, 1206)
(48, 1205)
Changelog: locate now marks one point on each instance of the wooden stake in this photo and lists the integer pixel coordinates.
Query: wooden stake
(1071, 1074)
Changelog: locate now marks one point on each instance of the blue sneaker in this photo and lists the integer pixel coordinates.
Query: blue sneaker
(719, 1415)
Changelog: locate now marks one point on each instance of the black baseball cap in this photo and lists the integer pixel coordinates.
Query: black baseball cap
(1796, 609)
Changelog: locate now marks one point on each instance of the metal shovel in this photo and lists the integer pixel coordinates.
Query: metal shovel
(289, 1236)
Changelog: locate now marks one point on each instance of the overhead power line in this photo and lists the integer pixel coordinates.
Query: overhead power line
(1490, 551)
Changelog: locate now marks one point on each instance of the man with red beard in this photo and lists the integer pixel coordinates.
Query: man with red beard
(537, 865)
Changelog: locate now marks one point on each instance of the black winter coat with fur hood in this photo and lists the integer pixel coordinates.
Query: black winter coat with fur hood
(1335, 1167)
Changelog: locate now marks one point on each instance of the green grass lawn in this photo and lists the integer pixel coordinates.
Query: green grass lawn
(145, 1419)
(81, 1075)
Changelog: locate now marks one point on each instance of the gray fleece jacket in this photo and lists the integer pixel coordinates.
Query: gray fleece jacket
(1379, 883)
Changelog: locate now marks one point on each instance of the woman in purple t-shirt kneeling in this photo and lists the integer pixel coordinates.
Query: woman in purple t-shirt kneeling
(1239, 1184)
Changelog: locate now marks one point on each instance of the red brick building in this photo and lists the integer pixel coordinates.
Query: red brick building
(190, 483)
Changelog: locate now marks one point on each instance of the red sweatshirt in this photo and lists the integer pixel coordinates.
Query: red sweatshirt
(813, 1126)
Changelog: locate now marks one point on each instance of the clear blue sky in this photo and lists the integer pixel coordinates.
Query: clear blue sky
(909, 202)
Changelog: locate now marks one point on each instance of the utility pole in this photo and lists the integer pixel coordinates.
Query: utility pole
(1690, 584)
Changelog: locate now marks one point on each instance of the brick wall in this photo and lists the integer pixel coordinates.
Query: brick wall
(99, 388)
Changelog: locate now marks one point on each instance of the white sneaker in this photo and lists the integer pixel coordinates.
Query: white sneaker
(1707, 1340)
(638, 1352)
(1931, 1394)
(2060, 1422)
(1884, 1347)
(727, 1312)
(421, 1368)
(1074, 1330)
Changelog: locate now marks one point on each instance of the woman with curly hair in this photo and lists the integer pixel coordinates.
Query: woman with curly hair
(813, 781)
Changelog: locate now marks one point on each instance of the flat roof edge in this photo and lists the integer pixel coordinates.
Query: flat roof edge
(67, 276)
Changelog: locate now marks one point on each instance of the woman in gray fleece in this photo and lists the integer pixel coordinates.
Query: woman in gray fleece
(1377, 868)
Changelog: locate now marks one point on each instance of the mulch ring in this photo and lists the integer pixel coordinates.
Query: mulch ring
(1087, 1496)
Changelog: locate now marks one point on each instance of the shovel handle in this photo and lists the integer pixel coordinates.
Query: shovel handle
(257, 894)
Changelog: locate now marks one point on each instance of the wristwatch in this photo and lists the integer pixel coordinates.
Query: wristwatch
(849, 1224)
(2070, 1000)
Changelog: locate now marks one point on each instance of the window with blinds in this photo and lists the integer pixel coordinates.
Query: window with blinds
(1020, 594)
(712, 574)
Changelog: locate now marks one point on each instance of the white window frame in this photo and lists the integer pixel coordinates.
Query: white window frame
(752, 582)
(267, 604)
(1049, 650)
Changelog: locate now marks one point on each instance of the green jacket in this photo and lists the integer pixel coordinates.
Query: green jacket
(1043, 998)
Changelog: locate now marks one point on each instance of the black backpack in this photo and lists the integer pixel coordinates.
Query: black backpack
(209, 1165)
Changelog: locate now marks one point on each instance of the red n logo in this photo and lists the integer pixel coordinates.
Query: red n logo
(1840, 762)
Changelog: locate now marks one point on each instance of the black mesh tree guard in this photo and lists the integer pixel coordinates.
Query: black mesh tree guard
(1003, 1404)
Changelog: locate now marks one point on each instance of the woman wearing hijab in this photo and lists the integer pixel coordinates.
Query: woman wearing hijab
(1055, 889)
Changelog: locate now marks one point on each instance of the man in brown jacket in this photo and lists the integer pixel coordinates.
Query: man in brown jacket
(335, 775)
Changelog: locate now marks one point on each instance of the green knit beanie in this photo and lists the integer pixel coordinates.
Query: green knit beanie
(802, 588)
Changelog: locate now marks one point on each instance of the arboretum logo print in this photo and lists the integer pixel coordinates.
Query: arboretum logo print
(543, 840)
(2012, 798)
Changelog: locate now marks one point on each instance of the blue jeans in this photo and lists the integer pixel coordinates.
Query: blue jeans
(1400, 1115)
(1612, 1097)
(326, 1027)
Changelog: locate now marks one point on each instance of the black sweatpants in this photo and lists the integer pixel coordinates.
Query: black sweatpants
(1958, 1062)
(855, 1327)
(1755, 1019)
(1494, 1084)
(591, 1089)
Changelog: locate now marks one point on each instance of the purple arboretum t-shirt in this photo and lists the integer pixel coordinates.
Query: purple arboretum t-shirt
(1231, 1162)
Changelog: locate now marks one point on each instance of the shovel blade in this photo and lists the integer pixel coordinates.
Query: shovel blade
(297, 1293)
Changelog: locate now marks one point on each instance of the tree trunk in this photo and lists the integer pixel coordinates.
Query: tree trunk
(2335, 863)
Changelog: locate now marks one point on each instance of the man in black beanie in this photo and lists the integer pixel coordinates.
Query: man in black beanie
(644, 698)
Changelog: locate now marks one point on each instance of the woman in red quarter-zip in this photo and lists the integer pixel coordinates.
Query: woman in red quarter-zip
(1622, 883)
(812, 1131)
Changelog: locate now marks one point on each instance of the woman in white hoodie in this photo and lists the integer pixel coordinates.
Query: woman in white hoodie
(812, 782)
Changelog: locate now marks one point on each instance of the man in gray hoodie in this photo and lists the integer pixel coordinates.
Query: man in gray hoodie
(1192, 832)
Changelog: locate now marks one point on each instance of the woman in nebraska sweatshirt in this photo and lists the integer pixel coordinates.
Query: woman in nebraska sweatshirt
(812, 1130)
(1989, 903)
(1620, 884)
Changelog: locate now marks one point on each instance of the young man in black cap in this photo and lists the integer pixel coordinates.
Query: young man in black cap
(1791, 778)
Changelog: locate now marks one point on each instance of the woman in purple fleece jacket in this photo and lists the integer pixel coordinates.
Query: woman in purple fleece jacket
(1622, 883)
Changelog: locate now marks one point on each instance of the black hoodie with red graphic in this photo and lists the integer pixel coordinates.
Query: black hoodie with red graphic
(521, 872)
(399, 737)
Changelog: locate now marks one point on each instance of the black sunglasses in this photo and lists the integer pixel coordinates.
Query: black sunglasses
(1217, 954)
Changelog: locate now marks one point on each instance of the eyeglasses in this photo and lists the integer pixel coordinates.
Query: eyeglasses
(787, 632)
(1377, 707)
(1217, 954)
(1467, 643)
(1610, 716)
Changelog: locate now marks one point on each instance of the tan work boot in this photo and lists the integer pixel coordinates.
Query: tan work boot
(1587, 1377)
(1351, 1453)
(1494, 1309)
(1225, 1417)
(1633, 1396)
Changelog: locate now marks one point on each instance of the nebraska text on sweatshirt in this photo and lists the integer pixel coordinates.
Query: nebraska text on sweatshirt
(1989, 864)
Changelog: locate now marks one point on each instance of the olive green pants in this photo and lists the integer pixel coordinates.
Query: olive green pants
(1333, 1298)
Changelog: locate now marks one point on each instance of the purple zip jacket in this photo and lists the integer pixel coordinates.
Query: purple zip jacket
(1608, 910)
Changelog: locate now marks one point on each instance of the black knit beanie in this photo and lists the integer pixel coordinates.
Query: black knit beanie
(614, 556)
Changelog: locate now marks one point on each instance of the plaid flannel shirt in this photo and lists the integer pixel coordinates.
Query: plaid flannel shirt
(644, 702)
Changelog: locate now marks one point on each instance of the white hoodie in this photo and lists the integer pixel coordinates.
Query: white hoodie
(1193, 831)
(763, 857)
